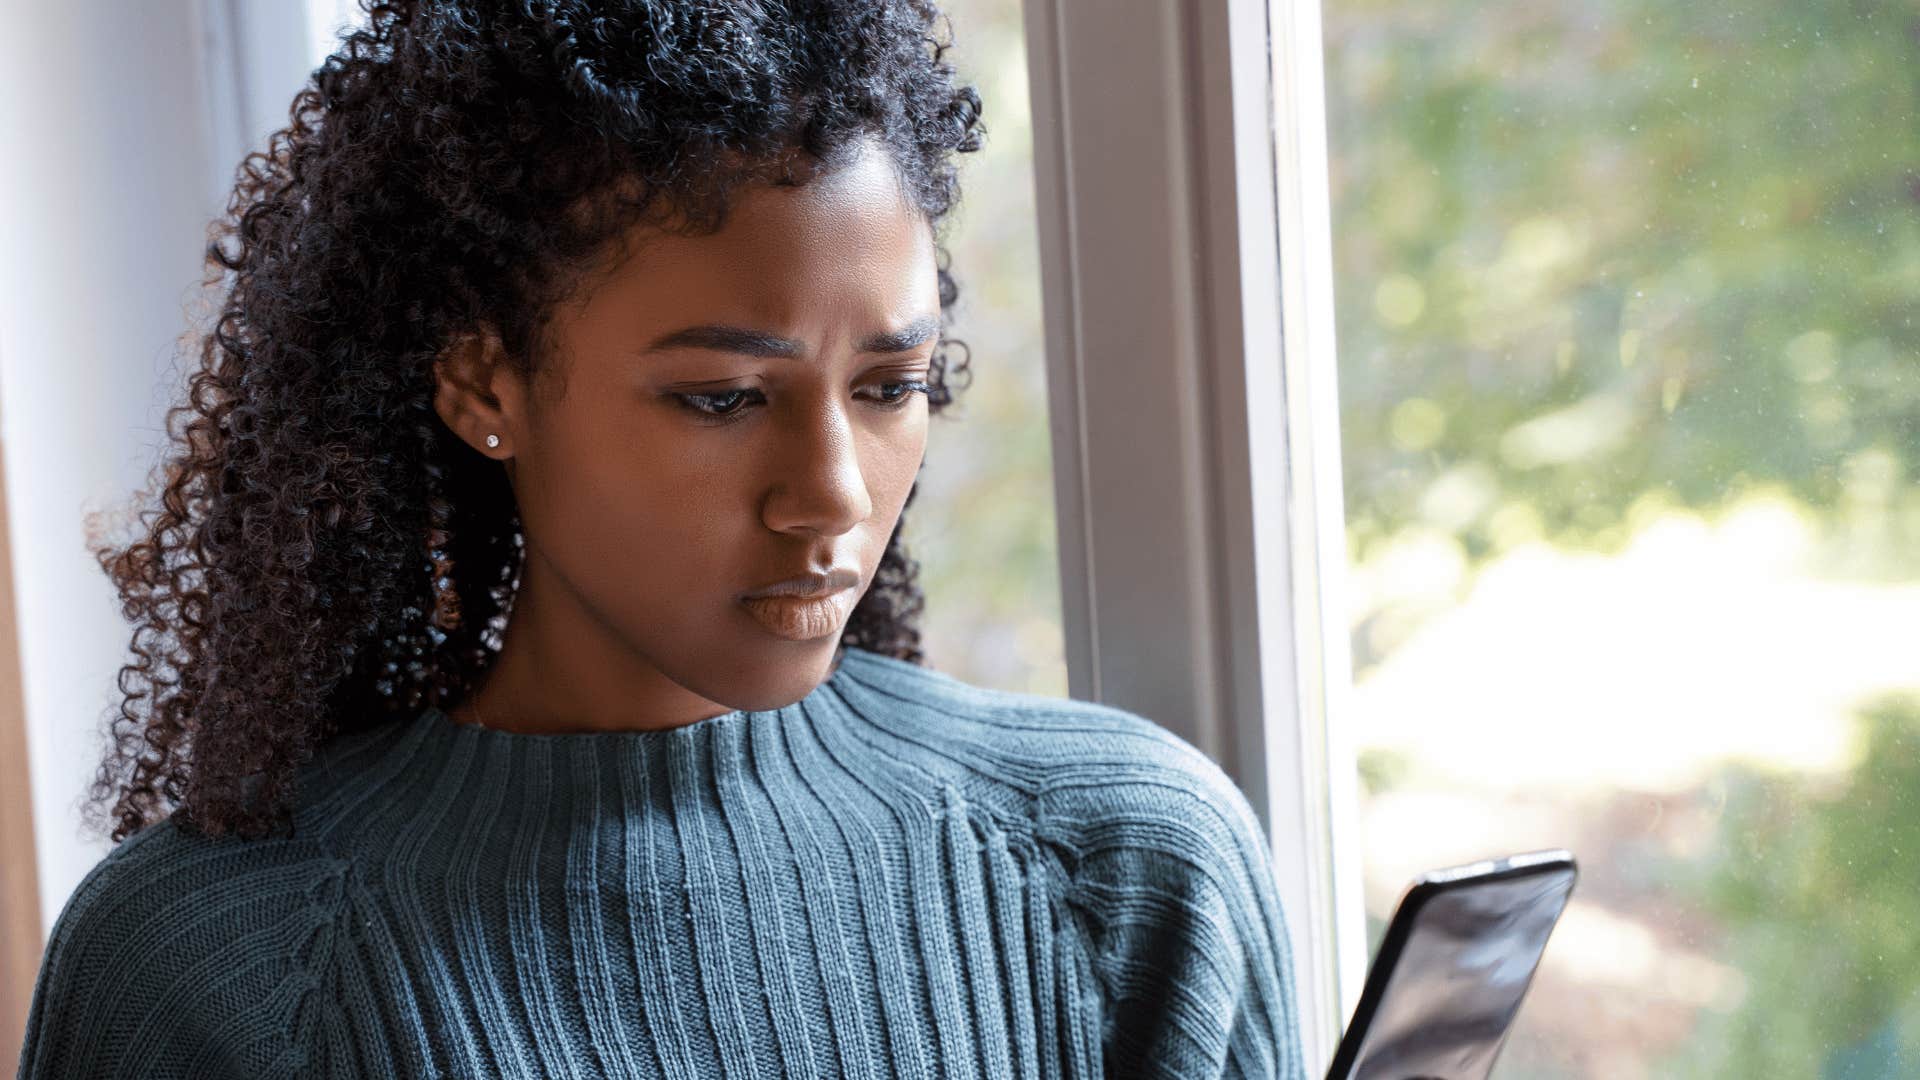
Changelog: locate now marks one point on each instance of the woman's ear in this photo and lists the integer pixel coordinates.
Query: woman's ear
(469, 395)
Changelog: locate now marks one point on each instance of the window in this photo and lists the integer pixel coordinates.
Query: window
(1512, 447)
(1630, 411)
(982, 526)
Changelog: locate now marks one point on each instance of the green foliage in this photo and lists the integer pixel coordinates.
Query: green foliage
(1383, 769)
(1817, 895)
(1588, 251)
(1596, 254)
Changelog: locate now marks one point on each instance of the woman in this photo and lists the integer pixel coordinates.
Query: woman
(527, 678)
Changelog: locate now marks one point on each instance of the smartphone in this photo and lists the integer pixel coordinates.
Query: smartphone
(1456, 960)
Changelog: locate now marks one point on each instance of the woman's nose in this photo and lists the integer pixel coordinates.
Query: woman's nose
(819, 484)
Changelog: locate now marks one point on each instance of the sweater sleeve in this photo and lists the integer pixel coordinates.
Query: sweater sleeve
(1187, 940)
(175, 959)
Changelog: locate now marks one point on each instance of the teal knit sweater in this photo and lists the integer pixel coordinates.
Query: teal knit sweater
(901, 875)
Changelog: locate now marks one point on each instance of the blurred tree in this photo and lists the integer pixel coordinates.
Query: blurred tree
(1591, 253)
(1817, 900)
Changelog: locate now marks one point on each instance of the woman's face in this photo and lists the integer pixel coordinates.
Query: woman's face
(733, 415)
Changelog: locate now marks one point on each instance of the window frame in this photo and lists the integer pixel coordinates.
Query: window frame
(1184, 237)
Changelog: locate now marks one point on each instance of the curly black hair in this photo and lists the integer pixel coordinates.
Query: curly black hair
(324, 553)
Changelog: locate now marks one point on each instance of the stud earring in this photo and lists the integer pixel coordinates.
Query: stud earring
(493, 440)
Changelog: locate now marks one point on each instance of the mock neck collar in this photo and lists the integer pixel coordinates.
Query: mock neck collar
(434, 761)
(437, 724)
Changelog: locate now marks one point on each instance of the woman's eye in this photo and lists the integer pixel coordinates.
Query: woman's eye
(726, 403)
(721, 404)
(907, 389)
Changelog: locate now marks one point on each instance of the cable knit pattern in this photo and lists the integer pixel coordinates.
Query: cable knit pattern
(901, 875)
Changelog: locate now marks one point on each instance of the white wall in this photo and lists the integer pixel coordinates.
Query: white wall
(121, 122)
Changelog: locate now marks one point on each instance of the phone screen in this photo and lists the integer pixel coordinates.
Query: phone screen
(1453, 968)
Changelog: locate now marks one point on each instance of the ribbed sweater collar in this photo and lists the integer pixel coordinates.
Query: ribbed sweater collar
(430, 770)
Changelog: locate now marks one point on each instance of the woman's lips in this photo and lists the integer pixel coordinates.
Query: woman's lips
(798, 618)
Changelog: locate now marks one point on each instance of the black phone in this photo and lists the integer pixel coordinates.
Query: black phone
(1457, 958)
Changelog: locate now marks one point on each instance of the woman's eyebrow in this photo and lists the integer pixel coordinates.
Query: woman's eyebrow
(742, 341)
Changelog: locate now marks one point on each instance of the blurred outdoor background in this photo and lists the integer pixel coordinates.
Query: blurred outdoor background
(991, 578)
(1630, 383)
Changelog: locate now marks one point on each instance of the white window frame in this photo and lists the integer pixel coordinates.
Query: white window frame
(1181, 181)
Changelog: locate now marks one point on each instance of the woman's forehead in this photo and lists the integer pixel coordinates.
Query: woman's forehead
(782, 252)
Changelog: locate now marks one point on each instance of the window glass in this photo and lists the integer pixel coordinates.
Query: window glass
(982, 525)
(1630, 387)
